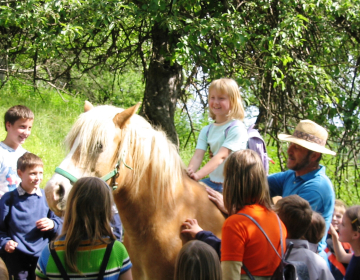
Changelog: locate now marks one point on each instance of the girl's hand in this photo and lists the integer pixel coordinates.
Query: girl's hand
(191, 227)
(190, 171)
(333, 232)
(195, 177)
(217, 198)
(10, 246)
(45, 224)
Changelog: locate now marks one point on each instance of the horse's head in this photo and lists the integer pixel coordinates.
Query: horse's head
(95, 144)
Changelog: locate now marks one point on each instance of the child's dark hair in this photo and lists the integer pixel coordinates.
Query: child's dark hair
(28, 160)
(316, 230)
(197, 261)
(295, 212)
(87, 215)
(17, 112)
(353, 213)
(245, 181)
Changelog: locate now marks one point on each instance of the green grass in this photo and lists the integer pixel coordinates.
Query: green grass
(53, 120)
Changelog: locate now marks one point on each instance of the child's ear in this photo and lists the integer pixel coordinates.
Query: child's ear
(356, 235)
(19, 173)
(7, 125)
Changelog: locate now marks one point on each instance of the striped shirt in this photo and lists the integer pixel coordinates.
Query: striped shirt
(89, 260)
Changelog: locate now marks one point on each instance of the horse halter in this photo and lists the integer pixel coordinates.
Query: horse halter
(112, 174)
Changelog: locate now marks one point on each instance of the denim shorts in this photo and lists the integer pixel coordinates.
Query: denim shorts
(216, 186)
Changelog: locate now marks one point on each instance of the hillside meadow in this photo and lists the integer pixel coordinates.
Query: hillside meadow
(54, 118)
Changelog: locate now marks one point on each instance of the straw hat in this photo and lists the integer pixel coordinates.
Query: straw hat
(309, 135)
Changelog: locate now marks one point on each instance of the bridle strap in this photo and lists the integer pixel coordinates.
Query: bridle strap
(73, 179)
(66, 174)
(106, 177)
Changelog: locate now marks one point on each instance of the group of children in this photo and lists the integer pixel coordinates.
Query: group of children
(27, 224)
(232, 171)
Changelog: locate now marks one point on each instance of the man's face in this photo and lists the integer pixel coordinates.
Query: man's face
(298, 157)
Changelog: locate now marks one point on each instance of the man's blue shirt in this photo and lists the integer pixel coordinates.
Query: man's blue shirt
(315, 187)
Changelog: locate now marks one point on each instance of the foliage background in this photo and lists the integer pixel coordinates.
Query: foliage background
(293, 59)
(54, 118)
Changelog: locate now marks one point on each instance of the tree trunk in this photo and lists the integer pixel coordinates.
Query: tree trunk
(163, 84)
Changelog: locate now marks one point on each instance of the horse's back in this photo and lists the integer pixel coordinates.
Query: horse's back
(196, 205)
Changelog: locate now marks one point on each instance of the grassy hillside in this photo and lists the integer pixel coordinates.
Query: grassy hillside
(53, 119)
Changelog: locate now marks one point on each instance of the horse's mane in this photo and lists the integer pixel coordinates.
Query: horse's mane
(152, 154)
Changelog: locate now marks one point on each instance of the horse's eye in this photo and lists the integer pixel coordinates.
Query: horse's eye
(100, 146)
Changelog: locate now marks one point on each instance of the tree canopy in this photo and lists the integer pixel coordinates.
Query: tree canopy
(294, 59)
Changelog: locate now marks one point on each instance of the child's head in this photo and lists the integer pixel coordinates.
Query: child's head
(349, 230)
(230, 88)
(18, 123)
(197, 261)
(4, 275)
(89, 208)
(316, 230)
(339, 211)
(87, 215)
(17, 112)
(28, 160)
(295, 212)
(245, 181)
(30, 170)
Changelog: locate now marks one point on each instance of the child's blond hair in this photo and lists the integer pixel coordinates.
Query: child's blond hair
(339, 204)
(229, 87)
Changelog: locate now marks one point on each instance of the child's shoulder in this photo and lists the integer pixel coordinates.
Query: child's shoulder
(6, 149)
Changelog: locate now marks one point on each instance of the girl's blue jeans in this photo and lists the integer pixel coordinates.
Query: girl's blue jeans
(216, 186)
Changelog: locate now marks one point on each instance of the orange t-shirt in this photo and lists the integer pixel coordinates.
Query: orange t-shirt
(243, 241)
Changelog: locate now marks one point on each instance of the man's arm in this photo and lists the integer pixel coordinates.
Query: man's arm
(276, 183)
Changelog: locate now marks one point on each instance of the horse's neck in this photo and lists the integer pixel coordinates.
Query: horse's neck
(141, 211)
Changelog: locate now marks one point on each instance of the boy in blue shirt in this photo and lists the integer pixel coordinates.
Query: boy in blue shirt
(26, 222)
(18, 123)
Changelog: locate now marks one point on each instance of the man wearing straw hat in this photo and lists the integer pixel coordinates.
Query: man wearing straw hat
(306, 177)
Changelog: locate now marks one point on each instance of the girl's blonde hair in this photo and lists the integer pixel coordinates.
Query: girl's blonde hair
(245, 181)
(87, 216)
(197, 261)
(353, 213)
(229, 87)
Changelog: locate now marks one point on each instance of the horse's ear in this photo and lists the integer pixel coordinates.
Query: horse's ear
(88, 106)
(122, 119)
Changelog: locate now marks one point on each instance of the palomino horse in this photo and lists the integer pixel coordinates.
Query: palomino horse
(154, 195)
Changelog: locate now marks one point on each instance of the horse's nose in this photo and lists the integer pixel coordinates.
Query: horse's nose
(55, 190)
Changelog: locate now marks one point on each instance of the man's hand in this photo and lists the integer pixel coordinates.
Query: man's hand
(191, 227)
(45, 224)
(217, 198)
(10, 246)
